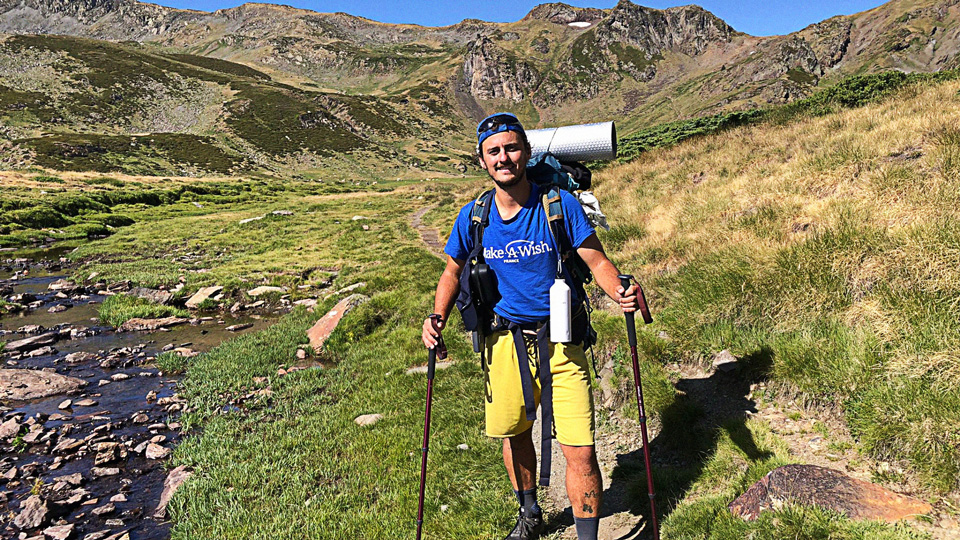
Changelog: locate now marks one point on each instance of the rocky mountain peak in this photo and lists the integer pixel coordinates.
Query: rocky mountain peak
(560, 13)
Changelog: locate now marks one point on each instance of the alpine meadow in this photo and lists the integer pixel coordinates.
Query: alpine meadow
(248, 209)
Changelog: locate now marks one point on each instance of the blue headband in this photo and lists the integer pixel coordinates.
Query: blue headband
(497, 123)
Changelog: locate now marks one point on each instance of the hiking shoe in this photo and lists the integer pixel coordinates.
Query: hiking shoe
(528, 526)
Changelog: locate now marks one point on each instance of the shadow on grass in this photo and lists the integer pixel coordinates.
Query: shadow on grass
(692, 426)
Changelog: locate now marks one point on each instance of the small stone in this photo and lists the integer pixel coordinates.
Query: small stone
(140, 418)
(368, 419)
(86, 403)
(725, 361)
(108, 508)
(157, 426)
(119, 377)
(463, 446)
(114, 523)
(99, 535)
(151, 396)
(74, 479)
(103, 382)
(301, 354)
(65, 404)
(444, 507)
(155, 451)
(118, 498)
(59, 532)
(104, 471)
(238, 327)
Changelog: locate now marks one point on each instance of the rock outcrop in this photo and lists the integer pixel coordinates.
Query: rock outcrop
(492, 73)
(818, 486)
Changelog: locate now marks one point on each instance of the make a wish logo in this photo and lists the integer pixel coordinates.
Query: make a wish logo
(516, 250)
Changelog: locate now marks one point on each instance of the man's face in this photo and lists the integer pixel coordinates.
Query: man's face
(505, 156)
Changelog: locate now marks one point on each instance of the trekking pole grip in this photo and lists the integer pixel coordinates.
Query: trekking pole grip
(631, 323)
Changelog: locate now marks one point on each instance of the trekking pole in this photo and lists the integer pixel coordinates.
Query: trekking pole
(632, 337)
(431, 368)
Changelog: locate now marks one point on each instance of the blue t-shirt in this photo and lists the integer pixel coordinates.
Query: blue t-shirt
(521, 252)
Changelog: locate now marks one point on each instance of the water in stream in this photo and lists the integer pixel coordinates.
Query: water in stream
(129, 402)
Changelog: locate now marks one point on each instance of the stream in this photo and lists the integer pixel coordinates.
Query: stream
(97, 463)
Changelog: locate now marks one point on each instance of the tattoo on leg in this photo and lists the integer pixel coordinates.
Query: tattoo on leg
(587, 508)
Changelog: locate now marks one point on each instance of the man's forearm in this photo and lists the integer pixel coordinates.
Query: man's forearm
(606, 274)
(447, 290)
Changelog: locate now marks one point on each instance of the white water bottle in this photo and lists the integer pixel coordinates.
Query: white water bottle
(560, 315)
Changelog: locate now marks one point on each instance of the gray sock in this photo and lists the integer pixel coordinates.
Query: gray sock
(587, 528)
(528, 500)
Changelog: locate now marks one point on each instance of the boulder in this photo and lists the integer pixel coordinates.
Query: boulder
(46, 350)
(61, 285)
(33, 513)
(811, 485)
(320, 332)
(174, 480)
(149, 325)
(25, 384)
(30, 343)
(202, 295)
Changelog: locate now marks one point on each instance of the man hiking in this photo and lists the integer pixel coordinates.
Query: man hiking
(523, 255)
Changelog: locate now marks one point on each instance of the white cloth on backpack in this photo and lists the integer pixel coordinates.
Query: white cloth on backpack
(591, 206)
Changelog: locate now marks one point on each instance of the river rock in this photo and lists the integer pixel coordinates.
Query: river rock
(108, 508)
(59, 532)
(174, 480)
(25, 384)
(78, 357)
(30, 329)
(104, 471)
(202, 295)
(74, 479)
(33, 513)
(60, 308)
(153, 295)
(320, 332)
(811, 485)
(155, 451)
(46, 350)
(110, 451)
(265, 290)
(9, 429)
(86, 403)
(30, 343)
(238, 327)
(62, 285)
(149, 325)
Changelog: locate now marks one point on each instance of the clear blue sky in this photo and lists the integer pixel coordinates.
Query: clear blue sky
(756, 17)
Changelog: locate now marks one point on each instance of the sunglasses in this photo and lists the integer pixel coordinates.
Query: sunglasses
(495, 122)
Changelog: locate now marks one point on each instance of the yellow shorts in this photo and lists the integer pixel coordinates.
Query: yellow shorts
(573, 415)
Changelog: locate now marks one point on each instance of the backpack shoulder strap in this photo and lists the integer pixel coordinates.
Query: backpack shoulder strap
(479, 219)
(553, 209)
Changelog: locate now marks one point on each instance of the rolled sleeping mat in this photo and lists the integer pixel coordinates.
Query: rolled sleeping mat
(584, 142)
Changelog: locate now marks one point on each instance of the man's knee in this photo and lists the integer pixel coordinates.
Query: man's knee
(582, 459)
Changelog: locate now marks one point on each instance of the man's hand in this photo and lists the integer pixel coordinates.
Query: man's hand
(432, 326)
(628, 298)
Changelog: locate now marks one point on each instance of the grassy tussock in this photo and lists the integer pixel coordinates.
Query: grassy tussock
(120, 308)
(833, 241)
